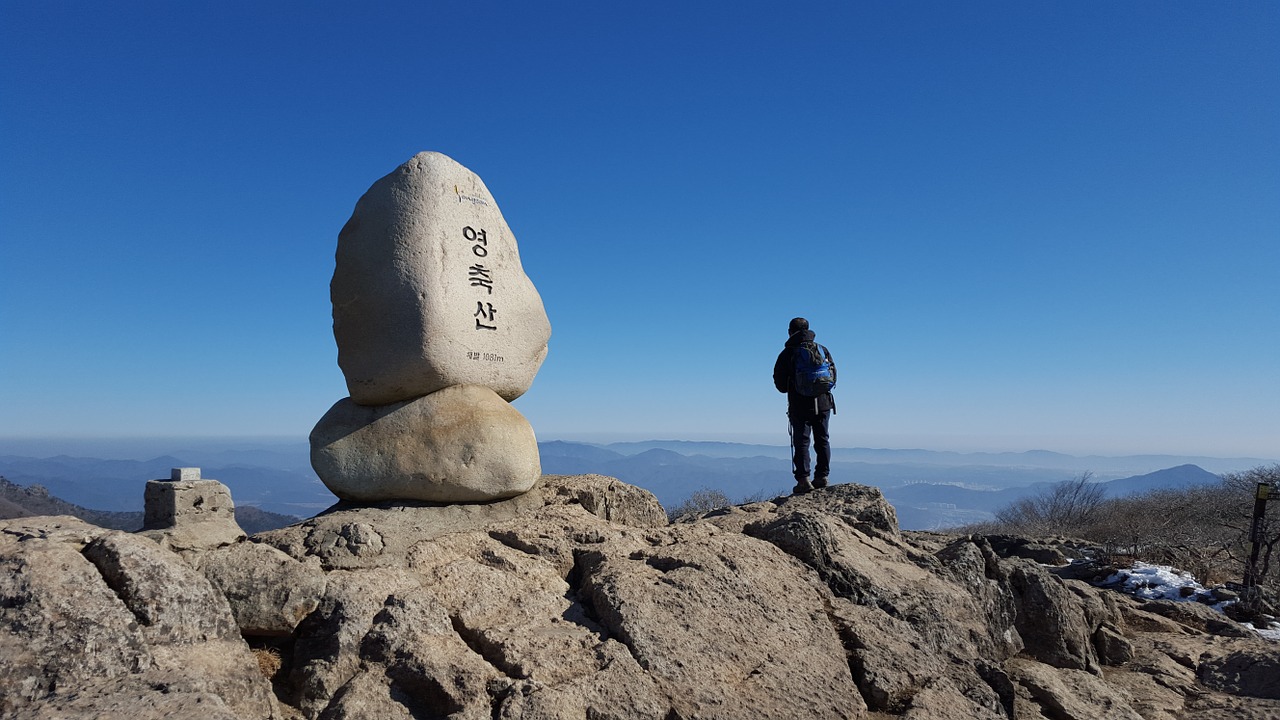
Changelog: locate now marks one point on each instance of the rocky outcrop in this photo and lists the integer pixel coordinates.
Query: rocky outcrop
(101, 623)
(1051, 621)
(269, 591)
(577, 600)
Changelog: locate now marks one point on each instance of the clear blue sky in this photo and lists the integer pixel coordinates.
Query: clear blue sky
(1016, 225)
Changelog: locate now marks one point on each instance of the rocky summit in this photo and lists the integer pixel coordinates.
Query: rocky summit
(577, 600)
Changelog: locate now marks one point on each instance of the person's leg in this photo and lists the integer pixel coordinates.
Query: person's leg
(821, 448)
(799, 450)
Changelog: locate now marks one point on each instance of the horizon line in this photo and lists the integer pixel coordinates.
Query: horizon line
(579, 439)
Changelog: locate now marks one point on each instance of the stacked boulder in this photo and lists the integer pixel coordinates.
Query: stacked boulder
(438, 330)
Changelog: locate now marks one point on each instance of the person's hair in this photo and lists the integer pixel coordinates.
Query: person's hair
(797, 324)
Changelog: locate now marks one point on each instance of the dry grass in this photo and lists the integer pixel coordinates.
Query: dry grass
(269, 661)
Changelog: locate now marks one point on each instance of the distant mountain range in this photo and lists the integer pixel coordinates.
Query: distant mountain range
(1100, 465)
(929, 489)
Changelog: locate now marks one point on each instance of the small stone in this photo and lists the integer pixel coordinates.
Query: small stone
(188, 474)
(1113, 648)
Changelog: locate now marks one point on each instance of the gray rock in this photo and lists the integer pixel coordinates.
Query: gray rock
(1197, 616)
(575, 600)
(99, 623)
(459, 444)
(190, 515)
(429, 291)
(607, 498)
(326, 656)
(1112, 647)
(1050, 619)
(1012, 546)
(859, 506)
(687, 607)
(898, 671)
(879, 571)
(350, 536)
(1218, 705)
(269, 592)
(1066, 694)
(1221, 594)
(1251, 671)
(545, 605)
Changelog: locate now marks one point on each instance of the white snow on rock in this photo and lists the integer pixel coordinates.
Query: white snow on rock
(1156, 582)
(1162, 582)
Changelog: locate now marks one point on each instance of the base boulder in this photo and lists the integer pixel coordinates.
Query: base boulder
(460, 444)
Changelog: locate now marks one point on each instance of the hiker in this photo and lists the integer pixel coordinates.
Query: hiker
(806, 373)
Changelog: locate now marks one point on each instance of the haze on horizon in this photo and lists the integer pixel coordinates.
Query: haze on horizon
(133, 447)
(1016, 226)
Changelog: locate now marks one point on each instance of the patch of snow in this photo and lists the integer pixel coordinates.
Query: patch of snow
(1271, 632)
(1161, 582)
(1156, 582)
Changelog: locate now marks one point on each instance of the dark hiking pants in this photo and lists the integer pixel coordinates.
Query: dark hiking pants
(802, 424)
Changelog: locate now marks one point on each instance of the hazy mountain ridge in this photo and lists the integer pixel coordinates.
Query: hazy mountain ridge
(1099, 464)
(930, 489)
(927, 495)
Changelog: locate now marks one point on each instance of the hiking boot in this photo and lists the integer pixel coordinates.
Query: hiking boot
(819, 482)
(802, 486)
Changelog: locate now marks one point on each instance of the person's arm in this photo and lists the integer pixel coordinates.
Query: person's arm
(781, 376)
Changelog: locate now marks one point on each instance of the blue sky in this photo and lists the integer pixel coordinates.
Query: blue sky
(1016, 225)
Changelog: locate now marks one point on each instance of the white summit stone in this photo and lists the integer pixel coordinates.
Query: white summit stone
(428, 290)
(459, 444)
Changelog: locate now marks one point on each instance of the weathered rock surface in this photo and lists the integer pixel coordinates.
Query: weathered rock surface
(1050, 619)
(1248, 671)
(577, 600)
(100, 623)
(269, 591)
(190, 514)
(429, 291)
(459, 444)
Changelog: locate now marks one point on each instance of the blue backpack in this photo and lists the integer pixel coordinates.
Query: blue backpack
(813, 370)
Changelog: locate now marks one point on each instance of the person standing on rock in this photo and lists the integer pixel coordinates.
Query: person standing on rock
(806, 372)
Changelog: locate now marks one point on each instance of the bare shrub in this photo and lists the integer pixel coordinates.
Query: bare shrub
(1179, 527)
(704, 500)
(1064, 508)
(1243, 487)
(1204, 529)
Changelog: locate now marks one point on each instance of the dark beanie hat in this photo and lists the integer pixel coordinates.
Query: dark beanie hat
(797, 324)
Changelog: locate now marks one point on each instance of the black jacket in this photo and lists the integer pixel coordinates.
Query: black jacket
(784, 377)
